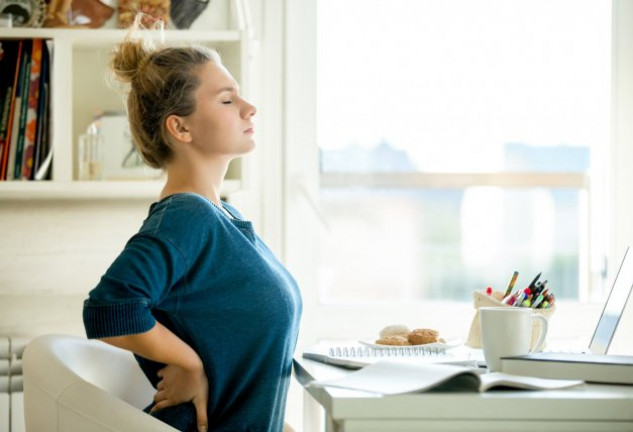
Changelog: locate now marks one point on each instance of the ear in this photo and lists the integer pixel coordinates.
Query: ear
(177, 128)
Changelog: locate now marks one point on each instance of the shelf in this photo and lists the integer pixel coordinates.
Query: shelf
(87, 37)
(80, 88)
(107, 189)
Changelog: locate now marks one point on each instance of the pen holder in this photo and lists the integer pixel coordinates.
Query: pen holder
(481, 299)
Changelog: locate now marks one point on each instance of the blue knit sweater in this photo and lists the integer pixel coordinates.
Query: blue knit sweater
(212, 281)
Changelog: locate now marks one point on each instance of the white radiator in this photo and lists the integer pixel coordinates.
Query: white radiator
(11, 388)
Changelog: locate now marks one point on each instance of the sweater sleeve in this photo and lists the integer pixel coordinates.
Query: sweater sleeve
(140, 278)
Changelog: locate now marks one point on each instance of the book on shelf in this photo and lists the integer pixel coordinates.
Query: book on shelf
(31, 117)
(615, 369)
(16, 123)
(355, 357)
(43, 150)
(389, 377)
(8, 60)
(23, 99)
(15, 70)
(42, 113)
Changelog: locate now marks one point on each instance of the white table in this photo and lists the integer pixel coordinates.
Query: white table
(591, 407)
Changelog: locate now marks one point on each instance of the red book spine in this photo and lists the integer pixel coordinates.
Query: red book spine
(7, 139)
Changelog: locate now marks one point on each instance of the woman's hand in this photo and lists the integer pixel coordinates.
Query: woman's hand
(183, 380)
(179, 385)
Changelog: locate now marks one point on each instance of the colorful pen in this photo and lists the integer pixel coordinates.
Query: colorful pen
(509, 300)
(540, 298)
(551, 299)
(511, 284)
(522, 296)
(519, 299)
(540, 287)
(533, 284)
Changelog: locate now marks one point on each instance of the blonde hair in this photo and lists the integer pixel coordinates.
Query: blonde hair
(160, 82)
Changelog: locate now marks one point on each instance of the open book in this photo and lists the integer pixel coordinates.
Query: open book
(388, 377)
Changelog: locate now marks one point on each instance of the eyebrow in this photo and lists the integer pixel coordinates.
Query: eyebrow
(227, 89)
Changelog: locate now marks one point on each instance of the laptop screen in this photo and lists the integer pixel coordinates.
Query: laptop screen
(614, 307)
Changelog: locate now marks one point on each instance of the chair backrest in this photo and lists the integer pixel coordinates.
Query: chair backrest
(74, 384)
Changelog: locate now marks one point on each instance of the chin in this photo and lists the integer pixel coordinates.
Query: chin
(249, 147)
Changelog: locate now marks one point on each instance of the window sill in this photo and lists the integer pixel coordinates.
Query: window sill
(572, 321)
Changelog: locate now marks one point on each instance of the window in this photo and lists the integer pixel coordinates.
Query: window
(460, 140)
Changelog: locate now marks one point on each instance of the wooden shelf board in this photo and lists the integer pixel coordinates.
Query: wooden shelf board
(90, 36)
(107, 189)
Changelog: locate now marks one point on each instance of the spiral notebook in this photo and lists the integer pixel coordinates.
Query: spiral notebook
(356, 357)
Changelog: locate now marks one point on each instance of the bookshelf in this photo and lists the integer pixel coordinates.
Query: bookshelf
(79, 89)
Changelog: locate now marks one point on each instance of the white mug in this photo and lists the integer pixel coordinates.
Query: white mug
(507, 331)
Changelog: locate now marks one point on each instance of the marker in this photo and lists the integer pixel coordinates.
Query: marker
(509, 300)
(540, 298)
(540, 287)
(533, 284)
(522, 296)
(519, 299)
(512, 282)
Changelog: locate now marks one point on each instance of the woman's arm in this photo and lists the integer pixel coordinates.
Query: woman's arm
(158, 344)
(182, 380)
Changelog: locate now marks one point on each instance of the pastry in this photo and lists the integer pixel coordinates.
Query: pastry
(394, 330)
(393, 340)
(422, 336)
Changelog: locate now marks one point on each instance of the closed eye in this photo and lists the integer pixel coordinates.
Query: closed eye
(227, 102)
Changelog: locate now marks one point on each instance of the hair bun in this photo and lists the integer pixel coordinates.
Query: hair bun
(128, 60)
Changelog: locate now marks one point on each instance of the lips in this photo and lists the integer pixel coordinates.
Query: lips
(250, 130)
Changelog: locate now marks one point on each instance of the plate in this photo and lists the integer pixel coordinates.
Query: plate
(454, 343)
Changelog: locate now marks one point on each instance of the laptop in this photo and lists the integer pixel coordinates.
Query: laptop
(614, 307)
(612, 312)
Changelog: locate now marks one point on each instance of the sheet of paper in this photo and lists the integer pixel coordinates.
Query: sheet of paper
(490, 380)
(389, 377)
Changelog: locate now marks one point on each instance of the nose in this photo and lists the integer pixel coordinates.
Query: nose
(248, 110)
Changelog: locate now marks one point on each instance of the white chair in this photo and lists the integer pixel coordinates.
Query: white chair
(72, 384)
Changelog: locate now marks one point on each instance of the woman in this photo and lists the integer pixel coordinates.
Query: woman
(209, 312)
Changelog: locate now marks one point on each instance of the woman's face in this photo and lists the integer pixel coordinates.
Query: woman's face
(221, 124)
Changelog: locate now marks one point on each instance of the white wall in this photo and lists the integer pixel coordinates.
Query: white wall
(52, 253)
(621, 181)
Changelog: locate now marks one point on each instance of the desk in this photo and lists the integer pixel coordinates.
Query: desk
(591, 407)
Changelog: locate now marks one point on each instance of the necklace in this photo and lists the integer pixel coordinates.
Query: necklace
(225, 211)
